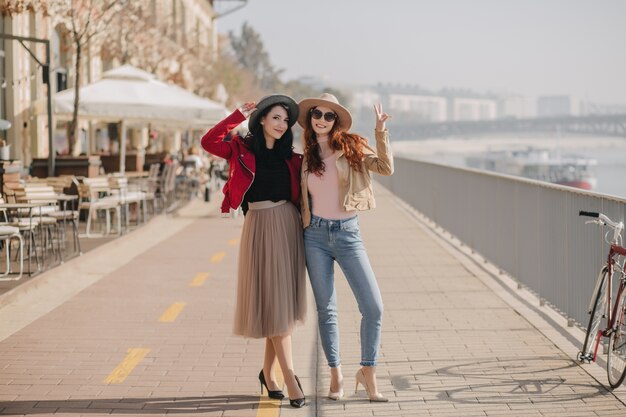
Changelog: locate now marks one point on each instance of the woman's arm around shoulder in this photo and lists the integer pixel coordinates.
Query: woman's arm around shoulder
(213, 140)
(381, 161)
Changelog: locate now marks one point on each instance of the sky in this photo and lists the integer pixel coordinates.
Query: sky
(525, 47)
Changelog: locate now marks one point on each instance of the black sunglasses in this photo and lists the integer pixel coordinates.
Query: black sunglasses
(328, 116)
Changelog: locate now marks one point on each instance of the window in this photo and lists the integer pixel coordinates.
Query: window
(59, 59)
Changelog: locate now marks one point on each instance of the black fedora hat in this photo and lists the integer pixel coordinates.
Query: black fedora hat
(271, 101)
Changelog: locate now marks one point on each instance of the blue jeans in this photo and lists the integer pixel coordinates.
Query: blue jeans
(324, 242)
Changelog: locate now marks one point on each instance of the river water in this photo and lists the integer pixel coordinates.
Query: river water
(610, 153)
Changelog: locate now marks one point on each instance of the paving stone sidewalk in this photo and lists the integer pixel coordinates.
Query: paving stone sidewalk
(152, 337)
(450, 345)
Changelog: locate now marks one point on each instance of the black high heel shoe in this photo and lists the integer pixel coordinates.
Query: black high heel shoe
(298, 402)
(277, 395)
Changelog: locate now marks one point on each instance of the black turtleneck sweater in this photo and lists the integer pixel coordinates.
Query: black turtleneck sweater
(272, 180)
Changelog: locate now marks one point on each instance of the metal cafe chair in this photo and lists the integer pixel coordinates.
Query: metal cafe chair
(95, 196)
(127, 196)
(27, 223)
(8, 234)
(56, 214)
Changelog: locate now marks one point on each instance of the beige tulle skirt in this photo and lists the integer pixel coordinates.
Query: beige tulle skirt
(271, 288)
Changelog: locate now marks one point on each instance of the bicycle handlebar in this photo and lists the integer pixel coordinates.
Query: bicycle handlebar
(588, 213)
(603, 220)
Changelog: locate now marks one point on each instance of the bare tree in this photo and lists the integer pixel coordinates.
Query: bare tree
(85, 20)
(249, 52)
(140, 39)
(136, 37)
(242, 85)
(251, 55)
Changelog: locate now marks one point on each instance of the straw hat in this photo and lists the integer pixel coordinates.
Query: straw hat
(271, 101)
(344, 121)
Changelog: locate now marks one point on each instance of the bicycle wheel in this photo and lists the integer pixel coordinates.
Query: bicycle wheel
(616, 360)
(598, 309)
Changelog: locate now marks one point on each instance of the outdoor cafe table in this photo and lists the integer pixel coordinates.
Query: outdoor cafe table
(53, 199)
(30, 207)
(136, 174)
(49, 199)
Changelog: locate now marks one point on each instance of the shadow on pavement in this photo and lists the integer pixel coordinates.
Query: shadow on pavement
(520, 380)
(133, 406)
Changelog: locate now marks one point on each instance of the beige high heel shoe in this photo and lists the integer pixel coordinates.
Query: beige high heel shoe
(373, 396)
(336, 395)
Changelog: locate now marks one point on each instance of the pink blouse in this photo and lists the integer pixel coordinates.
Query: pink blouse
(324, 192)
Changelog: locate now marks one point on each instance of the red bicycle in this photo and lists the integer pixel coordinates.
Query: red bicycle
(600, 305)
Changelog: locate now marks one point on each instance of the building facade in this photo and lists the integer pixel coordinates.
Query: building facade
(420, 107)
(472, 109)
(160, 36)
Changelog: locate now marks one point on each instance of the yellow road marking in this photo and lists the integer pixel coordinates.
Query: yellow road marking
(269, 407)
(172, 312)
(124, 369)
(218, 257)
(199, 279)
(233, 242)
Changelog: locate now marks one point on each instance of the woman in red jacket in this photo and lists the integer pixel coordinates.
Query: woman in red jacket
(264, 180)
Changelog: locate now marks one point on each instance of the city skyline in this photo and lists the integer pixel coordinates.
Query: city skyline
(529, 48)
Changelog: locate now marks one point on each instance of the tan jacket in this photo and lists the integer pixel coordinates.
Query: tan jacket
(355, 188)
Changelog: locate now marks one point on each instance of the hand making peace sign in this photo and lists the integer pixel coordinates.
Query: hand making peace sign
(381, 117)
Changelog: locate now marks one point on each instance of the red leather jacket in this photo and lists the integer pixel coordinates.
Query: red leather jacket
(242, 162)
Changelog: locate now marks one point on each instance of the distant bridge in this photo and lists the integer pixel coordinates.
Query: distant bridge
(600, 125)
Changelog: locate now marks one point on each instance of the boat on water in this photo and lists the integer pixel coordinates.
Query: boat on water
(540, 164)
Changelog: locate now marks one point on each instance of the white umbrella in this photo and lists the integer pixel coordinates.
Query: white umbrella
(130, 94)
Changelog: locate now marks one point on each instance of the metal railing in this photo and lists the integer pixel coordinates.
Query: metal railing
(529, 229)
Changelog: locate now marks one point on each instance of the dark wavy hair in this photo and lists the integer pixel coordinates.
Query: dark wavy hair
(350, 143)
(255, 139)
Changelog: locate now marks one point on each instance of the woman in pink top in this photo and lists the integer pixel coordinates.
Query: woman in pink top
(336, 184)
